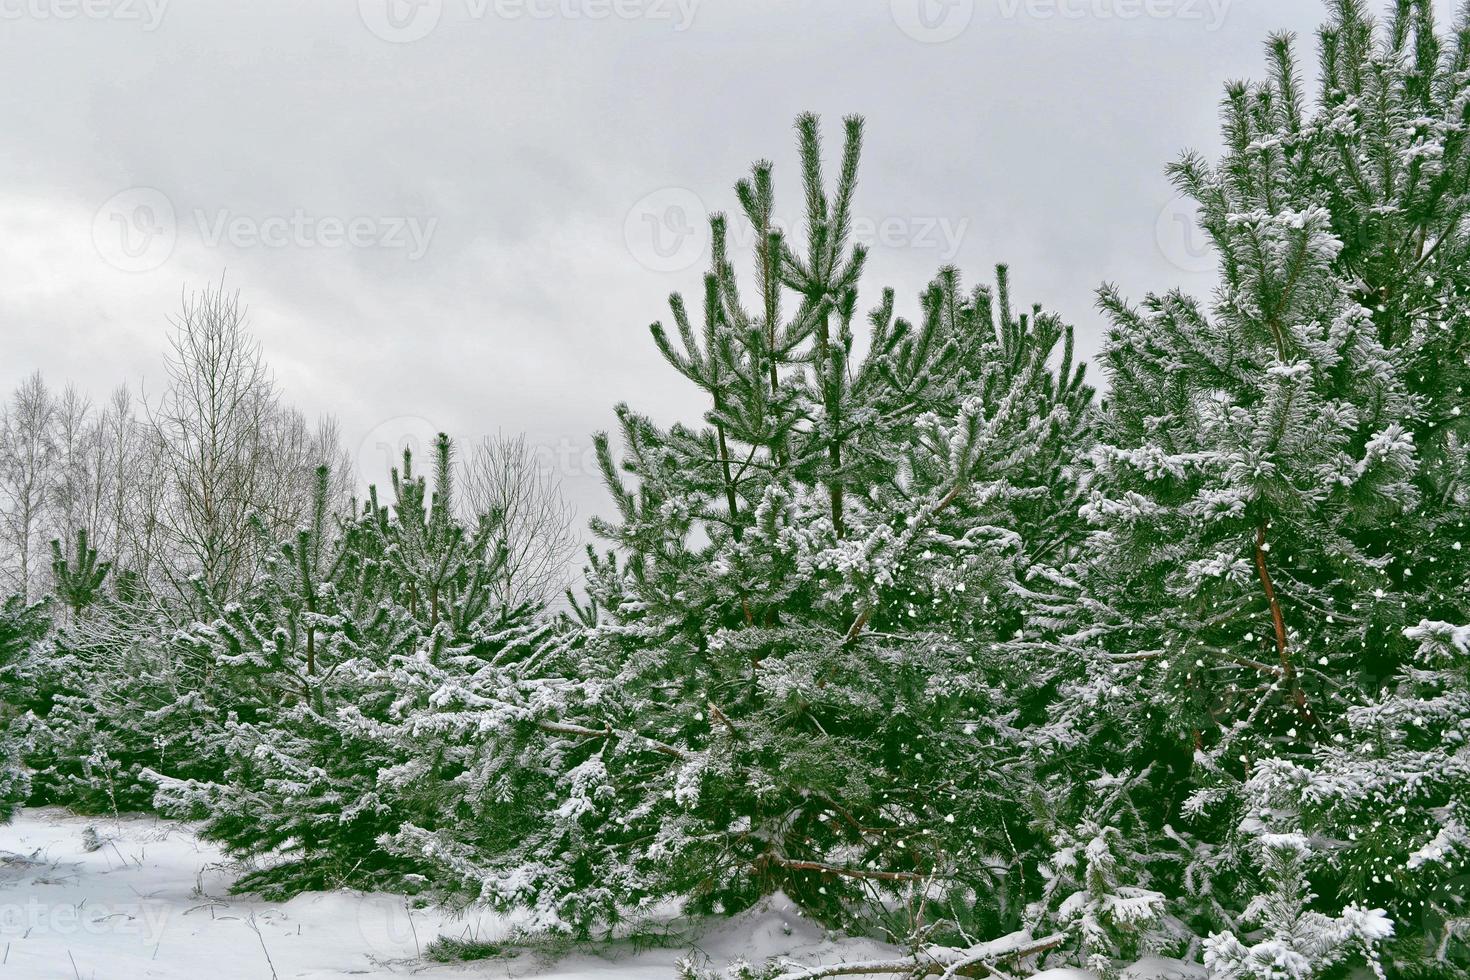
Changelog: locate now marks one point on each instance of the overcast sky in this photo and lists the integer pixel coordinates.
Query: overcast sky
(463, 214)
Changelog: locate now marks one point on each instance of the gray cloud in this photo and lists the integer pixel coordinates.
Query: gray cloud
(290, 140)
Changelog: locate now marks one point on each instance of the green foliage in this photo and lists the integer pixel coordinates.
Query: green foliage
(315, 679)
(793, 671)
(108, 696)
(902, 625)
(22, 625)
(77, 579)
(452, 949)
(1298, 943)
(1279, 489)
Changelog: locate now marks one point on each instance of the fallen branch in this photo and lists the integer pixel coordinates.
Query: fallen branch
(972, 962)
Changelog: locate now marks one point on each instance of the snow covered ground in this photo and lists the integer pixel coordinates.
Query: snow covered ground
(153, 901)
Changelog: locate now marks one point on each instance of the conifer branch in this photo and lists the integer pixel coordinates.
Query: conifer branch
(581, 731)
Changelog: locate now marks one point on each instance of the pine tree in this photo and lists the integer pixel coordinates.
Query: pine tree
(77, 580)
(786, 686)
(22, 626)
(108, 693)
(439, 566)
(1298, 943)
(1392, 794)
(1397, 94)
(443, 571)
(105, 696)
(1098, 885)
(301, 647)
(1279, 489)
(316, 678)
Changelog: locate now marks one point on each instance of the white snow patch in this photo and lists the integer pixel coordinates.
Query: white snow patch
(1148, 968)
(153, 901)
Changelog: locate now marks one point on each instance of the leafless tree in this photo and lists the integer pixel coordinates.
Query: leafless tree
(211, 425)
(81, 486)
(295, 448)
(501, 474)
(228, 452)
(132, 460)
(146, 484)
(165, 489)
(27, 442)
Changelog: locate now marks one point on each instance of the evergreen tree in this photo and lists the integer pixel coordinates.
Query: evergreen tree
(796, 679)
(115, 691)
(1098, 882)
(22, 625)
(438, 566)
(315, 680)
(77, 580)
(1298, 943)
(301, 647)
(1393, 797)
(1279, 489)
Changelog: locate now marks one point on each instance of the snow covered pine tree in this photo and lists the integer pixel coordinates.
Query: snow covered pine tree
(312, 686)
(1281, 487)
(22, 625)
(792, 673)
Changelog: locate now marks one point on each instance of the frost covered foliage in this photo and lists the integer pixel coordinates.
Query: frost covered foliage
(1279, 488)
(1099, 890)
(1393, 794)
(313, 683)
(15, 784)
(22, 624)
(113, 691)
(902, 625)
(1295, 943)
(109, 695)
(794, 671)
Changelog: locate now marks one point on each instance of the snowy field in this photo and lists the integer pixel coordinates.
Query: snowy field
(154, 901)
(87, 898)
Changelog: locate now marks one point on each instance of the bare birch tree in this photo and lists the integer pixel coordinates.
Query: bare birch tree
(81, 476)
(134, 462)
(501, 474)
(211, 424)
(295, 448)
(27, 441)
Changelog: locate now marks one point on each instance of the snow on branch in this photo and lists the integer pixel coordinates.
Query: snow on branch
(946, 963)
